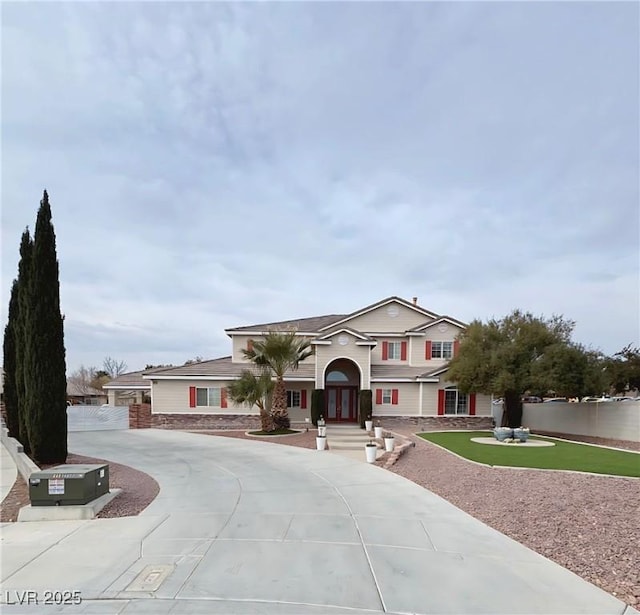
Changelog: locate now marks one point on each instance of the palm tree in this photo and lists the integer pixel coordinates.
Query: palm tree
(279, 351)
(254, 390)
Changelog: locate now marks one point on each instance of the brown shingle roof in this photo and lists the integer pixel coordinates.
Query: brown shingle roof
(428, 325)
(332, 332)
(396, 371)
(76, 390)
(224, 367)
(130, 379)
(309, 325)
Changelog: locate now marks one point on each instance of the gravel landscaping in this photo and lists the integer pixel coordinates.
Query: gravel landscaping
(586, 523)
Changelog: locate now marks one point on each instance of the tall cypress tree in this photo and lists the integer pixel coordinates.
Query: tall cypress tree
(45, 366)
(9, 362)
(21, 335)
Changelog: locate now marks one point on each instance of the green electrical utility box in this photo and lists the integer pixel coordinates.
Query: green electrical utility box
(68, 485)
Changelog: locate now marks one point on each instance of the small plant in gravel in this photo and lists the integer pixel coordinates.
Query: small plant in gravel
(275, 432)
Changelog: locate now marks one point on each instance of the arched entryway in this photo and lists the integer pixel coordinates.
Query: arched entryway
(341, 383)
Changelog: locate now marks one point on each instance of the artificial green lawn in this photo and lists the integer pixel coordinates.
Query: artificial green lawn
(562, 456)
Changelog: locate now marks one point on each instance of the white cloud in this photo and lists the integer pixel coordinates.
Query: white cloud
(214, 165)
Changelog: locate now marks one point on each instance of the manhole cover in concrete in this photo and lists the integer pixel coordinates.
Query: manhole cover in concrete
(150, 579)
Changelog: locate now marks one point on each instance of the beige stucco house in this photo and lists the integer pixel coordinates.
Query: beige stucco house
(127, 389)
(395, 348)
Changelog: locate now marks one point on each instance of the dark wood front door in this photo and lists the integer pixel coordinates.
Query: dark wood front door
(341, 404)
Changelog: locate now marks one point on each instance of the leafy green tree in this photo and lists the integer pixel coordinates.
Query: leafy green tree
(254, 390)
(100, 378)
(569, 370)
(22, 335)
(279, 351)
(9, 364)
(45, 365)
(498, 357)
(623, 370)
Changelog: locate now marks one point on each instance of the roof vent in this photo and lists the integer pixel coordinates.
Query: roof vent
(415, 301)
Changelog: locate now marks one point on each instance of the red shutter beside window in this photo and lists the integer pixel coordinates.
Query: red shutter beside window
(223, 397)
(427, 350)
(394, 397)
(456, 347)
(403, 351)
(378, 396)
(192, 397)
(440, 402)
(385, 351)
(303, 398)
(472, 404)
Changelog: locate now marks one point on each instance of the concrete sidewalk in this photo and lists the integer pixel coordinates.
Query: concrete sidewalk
(253, 527)
(8, 472)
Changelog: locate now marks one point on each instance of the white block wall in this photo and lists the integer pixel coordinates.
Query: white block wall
(615, 420)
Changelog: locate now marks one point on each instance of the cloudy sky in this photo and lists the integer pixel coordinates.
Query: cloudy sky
(218, 165)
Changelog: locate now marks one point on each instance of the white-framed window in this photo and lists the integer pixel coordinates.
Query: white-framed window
(293, 399)
(386, 397)
(208, 397)
(441, 350)
(394, 350)
(455, 402)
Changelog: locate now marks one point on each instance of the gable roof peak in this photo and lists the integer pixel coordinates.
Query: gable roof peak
(392, 299)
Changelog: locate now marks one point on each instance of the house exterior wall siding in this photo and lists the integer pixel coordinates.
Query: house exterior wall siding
(172, 397)
(418, 345)
(359, 354)
(380, 320)
(376, 352)
(239, 343)
(407, 399)
(430, 400)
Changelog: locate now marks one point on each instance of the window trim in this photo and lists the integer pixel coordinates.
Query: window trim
(291, 395)
(458, 398)
(438, 349)
(209, 403)
(391, 350)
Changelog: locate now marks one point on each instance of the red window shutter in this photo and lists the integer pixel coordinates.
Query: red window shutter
(249, 345)
(385, 351)
(223, 397)
(394, 397)
(378, 396)
(456, 347)
(472, 404)
(403, 351)
(440, 402)
(303, 398)
(427, 350)
(192, 397)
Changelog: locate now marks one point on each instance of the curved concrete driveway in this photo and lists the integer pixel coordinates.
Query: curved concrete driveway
(253, 527)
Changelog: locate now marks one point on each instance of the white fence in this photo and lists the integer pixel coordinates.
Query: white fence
(95, 418)
(619, 420)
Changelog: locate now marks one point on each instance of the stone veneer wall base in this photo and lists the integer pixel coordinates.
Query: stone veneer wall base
(141, 417)
(434, 423)
(205, 421)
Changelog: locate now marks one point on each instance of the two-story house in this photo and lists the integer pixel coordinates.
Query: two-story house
(395, 348)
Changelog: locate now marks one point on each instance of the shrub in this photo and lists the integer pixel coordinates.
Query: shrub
(365, 406)
(317, 405)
